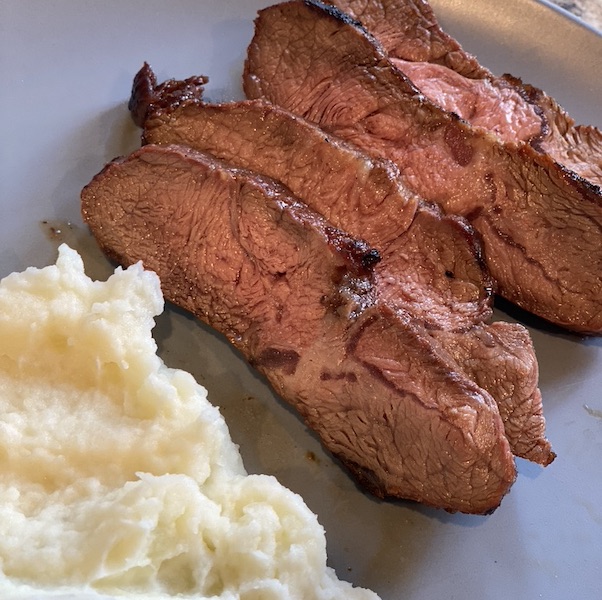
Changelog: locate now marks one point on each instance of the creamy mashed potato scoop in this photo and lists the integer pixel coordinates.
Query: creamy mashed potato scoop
(117, 477)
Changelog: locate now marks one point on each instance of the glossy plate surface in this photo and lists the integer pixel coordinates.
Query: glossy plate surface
(66, 70)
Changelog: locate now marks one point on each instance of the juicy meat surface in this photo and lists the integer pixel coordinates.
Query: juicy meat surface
(430, 265)
(541, 224)
(451, 77)
(500, 359)
(438, 264)
(497, 108)
(296, 296)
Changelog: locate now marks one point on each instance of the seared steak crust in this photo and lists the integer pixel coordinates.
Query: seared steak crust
(296, 296)
(431, 266)
(541, 224)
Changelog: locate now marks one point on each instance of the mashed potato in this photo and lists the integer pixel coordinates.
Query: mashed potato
(117, 476)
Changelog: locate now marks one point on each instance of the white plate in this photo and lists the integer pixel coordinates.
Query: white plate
(66, 69)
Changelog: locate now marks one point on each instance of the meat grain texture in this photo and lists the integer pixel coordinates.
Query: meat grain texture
(297, 297)
(541, 223)
(431, 266)
(436, 63)
(386, 350)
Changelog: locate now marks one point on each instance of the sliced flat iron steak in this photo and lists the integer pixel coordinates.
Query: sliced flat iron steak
(541, 224)
(431, 266)
(296, 296)
(452, 78)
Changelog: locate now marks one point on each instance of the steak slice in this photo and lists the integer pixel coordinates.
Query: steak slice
(430, 267)
(296, 297)
(541, 224)
(436, 272)
(499, 358)
(437, 64)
